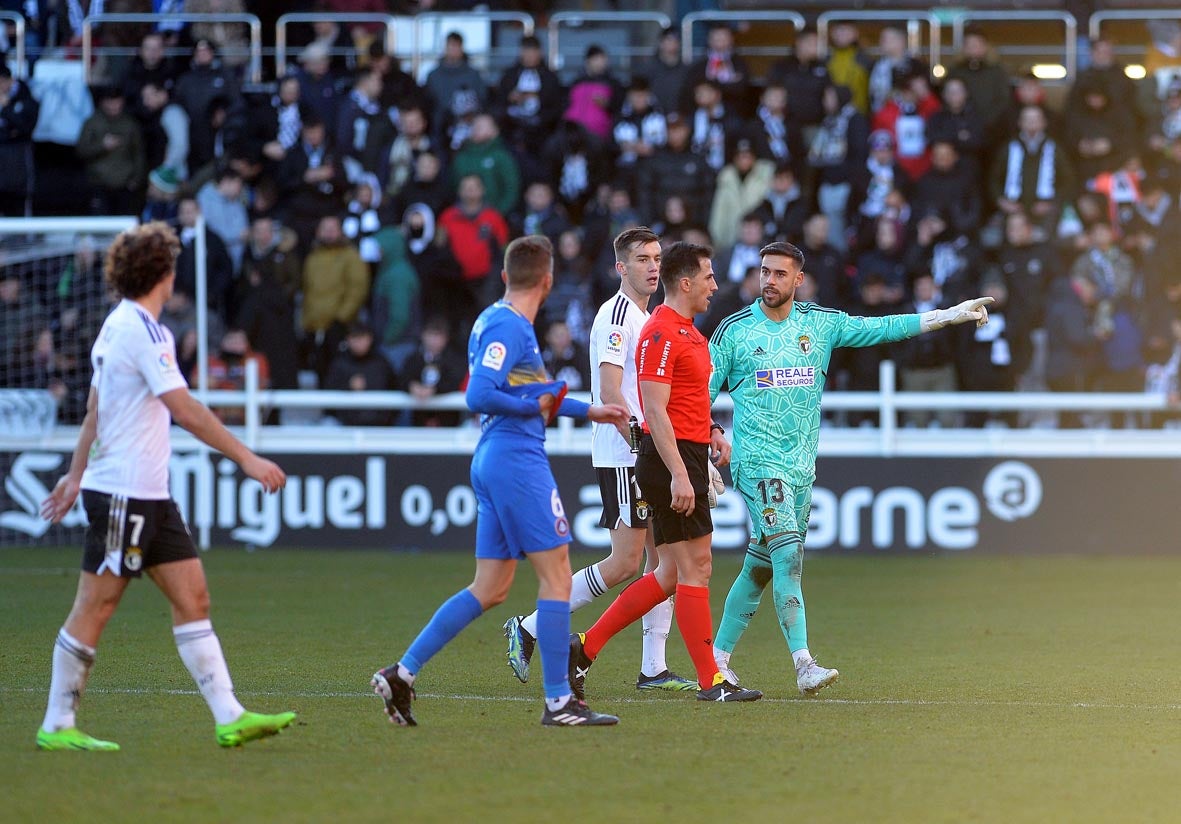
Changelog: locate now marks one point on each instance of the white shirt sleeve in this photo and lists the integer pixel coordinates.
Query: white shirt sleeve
(612, 346)
(156, 361)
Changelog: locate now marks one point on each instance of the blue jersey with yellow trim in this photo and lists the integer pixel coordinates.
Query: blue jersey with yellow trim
(503, 356)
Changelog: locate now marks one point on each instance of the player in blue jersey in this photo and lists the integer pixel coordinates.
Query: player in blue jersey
(773, 358)
(520, 512)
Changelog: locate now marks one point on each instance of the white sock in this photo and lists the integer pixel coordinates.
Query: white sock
(72, 661)
(721, 658)
(657, 623)
(555, 704)
(201, 651)
(801, 657)
(585, 586)
(406, 675)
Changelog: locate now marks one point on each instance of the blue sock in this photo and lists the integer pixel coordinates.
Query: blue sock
(448, 621)
(553, 642)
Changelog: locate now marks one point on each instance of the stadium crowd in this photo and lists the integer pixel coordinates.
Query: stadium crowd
(355, 217)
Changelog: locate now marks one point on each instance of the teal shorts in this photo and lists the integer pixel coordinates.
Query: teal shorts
(775, 506)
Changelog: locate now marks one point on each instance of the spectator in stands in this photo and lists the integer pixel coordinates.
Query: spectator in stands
(1116, 280)
(1099, 136)
(742, 186)
(205, 81)
(578, 163)
(151, 65)
(282, 125)
(885, 263)
(805, 76)
(541, 214)
(784, 209)
(413, 139)
(364, 129)
(165, 129)
(864, 363)
(736, 257)
(848, 64)
(905, 114)
(987, 82)
(484, 154)
(22, 319)
(336, 40)
(953, 258)
(780, 137)
(362, 220)
(566, 358)
(230, 39)
(1031, 174)
(335, 287)
(476, 234)
(219, 267)
(837, 159)
(1162, 59)
(399, 91)
(1072, 344)
(675, 170)
(321, 89)
(571, 300)
(396, 297)
(731, 297)
(530, 101)
(827, 263)
(665, 72)
(639, 130)
(434, 368)
(359, 368)
(227, 370)
(454, 86)
(1029, 267)
(715, 126)
(1106, 72)
(958, 123)
(985, 353)
(892, 54)
(950, 190)
(427, 186)
(271, 278)
(721, 66)
(221, 201)
(926, 363)
(875, 183)
(311, 181)
(595, 95)
(18, 119)
(161, 202)
(111, 146)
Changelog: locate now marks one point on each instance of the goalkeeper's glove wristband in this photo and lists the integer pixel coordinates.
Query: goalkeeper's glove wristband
(717, 486)
(960, 313)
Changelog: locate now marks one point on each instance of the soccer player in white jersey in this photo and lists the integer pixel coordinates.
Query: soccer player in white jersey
(613, 338)
(120, 465)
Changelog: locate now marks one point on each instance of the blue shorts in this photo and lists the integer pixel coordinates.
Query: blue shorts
(519, 509)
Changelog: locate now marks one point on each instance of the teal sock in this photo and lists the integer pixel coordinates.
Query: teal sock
(743, 599)
(787, 564)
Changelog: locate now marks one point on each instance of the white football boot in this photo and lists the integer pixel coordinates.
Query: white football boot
(811, 678)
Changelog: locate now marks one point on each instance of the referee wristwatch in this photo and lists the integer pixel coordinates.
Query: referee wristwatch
(715, 425)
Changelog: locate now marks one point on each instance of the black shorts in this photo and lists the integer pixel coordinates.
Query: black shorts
(622, 501)
(655, 481)
(128, 535)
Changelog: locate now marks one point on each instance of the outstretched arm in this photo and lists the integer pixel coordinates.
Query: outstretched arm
(973, 309)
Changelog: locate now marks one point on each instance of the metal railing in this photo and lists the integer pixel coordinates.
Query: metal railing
(18, 22)
(914, 19)
(1069, 46)
(249, 20)
(439, 20)
(1098, 18)
(387, 20)
(577, 19)
(690, 20)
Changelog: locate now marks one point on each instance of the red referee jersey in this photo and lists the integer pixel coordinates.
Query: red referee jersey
(672, 351)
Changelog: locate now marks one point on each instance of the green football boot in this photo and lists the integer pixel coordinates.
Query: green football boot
(73, 739)
(251, 726)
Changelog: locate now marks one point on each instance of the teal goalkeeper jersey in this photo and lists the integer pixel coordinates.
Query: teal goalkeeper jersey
(775, 373)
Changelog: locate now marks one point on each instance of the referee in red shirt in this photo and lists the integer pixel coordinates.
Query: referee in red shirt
(672, 471)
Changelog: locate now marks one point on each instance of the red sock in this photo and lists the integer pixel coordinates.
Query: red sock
(696, 628)
(629, 606)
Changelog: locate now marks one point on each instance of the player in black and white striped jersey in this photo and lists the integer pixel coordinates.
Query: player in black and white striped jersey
(120, 465)
(613, 337)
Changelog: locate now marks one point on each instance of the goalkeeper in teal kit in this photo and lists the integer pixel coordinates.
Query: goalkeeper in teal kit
(773, 358)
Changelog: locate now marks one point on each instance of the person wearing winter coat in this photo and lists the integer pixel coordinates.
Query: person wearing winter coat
(484, 154)
(335, 287)
(742, 185)
(18, 119)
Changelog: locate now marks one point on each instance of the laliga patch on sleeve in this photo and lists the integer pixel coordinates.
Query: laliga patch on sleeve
(615, 341)
(167, 362)
(494, 355)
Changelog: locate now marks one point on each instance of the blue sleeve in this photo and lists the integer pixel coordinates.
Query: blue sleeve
(573, 408)
(491, 357)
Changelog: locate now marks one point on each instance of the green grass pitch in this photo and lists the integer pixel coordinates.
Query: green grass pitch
(973, 689)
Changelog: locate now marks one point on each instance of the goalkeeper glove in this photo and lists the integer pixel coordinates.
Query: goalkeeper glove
(960, 313)
(716, 486)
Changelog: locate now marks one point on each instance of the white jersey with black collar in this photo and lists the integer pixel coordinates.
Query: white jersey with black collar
(613, 338)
